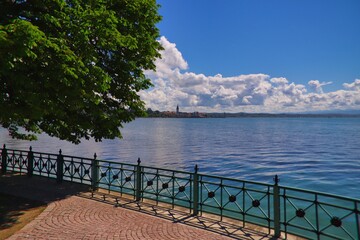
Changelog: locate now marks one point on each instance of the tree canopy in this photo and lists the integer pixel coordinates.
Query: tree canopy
(73, 68)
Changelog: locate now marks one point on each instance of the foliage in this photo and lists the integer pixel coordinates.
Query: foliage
(72, 68)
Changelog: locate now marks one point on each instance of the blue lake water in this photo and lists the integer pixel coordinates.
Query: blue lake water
(314, 153)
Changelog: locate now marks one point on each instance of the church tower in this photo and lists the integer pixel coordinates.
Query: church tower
(177, 109)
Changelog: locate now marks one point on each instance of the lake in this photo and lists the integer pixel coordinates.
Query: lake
(314, 153)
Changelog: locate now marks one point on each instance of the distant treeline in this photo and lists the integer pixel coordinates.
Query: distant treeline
(169, 114)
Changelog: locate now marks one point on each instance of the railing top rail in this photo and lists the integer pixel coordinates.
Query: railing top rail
(10, 149)
(236, 180)
(165, 169)
(117, 163)
(50, 154)
(320, 193)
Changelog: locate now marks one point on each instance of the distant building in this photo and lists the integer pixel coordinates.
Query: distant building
(177, 109)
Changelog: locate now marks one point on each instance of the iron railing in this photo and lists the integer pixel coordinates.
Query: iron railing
(286, 210)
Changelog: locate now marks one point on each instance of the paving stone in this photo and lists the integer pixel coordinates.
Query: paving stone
(73, 213)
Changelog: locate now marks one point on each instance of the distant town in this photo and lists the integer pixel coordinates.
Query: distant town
(179, 114)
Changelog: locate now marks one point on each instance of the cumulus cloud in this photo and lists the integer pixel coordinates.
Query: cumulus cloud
(174, 85)
(317, 86)
(353, 86)
(171, 60)
(279, 81)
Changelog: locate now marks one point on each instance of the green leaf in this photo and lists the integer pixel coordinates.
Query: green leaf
(73, 69)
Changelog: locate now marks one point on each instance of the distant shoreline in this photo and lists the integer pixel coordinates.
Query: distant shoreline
(168, 114)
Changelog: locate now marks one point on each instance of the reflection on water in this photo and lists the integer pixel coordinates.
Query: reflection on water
(313, 153)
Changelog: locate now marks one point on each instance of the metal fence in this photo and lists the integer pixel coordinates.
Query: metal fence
(282, 210)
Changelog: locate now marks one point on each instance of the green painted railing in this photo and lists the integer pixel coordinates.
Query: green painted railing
(282, 210)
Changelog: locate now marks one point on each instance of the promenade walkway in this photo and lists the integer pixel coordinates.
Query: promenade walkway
(75, 213)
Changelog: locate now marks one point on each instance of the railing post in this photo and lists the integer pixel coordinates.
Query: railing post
(138, 181)
(276, 209)
(94, 173)
(3, 159)
(60, 167)
(30, 166)
(196, 192)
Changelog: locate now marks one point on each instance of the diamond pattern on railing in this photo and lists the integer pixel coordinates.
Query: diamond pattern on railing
(232, 201)
(221, 198)
(17, 161)
(182, 189)
(78, 170)
(115, 177)
(211, 195)
(103, 177)
(255, 206)
(47, 165)
(12, 160)
(165, 186)
(22, 162)
(307, 213)
(300, 213)
(338, 221)
(148, 183)
(38, 163)
(50, 165)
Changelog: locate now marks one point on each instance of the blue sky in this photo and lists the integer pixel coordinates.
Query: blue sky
(313, 47)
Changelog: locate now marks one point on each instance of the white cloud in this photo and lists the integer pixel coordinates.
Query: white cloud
(353, 86)
(174, 85)
(317, 86)
(279, 81)
(171, 57)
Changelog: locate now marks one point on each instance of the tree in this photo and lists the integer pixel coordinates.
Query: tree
(73, 68)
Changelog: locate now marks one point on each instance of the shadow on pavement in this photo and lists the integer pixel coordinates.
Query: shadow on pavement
(227, 227)
(38, 188)
(45, 190)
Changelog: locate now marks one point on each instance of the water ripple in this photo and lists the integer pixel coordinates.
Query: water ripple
(313, 153)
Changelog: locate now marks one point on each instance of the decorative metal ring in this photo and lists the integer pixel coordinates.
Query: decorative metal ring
(232, 198)
(256, 203)
(182, 189)
(300, 213)
(335, 221)
(211, 194)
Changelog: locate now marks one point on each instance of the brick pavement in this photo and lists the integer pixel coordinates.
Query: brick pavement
(79, 218)
(75, 213)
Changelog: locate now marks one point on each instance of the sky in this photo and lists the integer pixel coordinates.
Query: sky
(257, 56)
